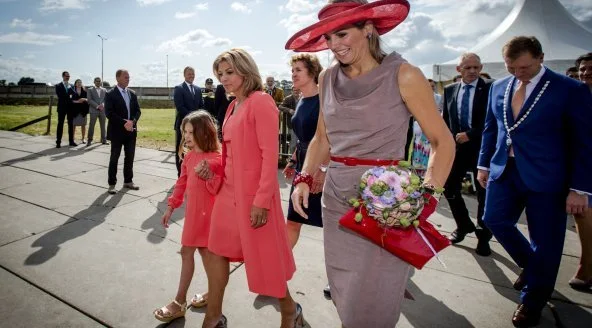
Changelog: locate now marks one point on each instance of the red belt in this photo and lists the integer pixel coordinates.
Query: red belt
(352, 161)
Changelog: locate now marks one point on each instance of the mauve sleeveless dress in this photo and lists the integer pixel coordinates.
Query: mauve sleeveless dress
(365, 117)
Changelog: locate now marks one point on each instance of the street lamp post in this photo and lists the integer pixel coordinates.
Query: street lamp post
(167, 76)
(102, 39)
(167, 71)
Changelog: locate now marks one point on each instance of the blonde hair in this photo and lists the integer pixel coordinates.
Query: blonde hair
(205, 132)
(244, 65)
(311, 62)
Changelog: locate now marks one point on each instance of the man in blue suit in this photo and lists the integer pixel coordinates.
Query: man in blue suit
(536, 154)
(187, 99)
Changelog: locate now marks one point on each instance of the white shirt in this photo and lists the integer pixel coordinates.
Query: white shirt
(438, 100)
(459, 98)
(190, 87)
(126, 98)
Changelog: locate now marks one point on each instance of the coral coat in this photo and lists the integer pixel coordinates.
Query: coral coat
(267, 254)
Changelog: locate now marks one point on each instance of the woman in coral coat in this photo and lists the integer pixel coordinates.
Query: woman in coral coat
(247, 219)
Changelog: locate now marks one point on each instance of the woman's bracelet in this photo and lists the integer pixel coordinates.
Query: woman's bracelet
(303, 177)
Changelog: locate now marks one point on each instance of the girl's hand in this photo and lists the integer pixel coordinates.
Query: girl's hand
(167, 216)
(318, 182)
(289, 172)
(258, 216)
(203, 170)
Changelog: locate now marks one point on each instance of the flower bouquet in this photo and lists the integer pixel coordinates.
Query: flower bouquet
(392, 212)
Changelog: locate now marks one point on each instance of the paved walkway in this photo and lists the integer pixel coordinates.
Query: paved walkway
(73, 256)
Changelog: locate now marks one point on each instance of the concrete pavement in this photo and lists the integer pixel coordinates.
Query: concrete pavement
(73, 256)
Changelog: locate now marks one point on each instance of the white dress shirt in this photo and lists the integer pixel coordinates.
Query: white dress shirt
(126, 98)
(190, 87)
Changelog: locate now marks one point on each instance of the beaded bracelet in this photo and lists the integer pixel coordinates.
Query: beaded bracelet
(303, 177)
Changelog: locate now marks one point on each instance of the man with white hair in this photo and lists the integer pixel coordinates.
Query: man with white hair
(464, 108)
(276, 93)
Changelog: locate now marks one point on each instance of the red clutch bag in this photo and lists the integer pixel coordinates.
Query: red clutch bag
(407, 244)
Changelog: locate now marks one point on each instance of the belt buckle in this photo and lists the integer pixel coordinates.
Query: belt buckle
(349, 161)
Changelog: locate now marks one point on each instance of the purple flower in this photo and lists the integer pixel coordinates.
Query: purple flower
(415, 195)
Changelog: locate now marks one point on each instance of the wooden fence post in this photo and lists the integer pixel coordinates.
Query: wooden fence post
(49, 116)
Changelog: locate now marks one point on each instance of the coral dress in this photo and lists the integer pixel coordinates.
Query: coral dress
(200, 198)
(250, 157)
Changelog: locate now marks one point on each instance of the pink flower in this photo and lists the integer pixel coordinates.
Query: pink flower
(402, 196)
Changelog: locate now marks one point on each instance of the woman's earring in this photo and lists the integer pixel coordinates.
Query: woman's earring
(369, 36)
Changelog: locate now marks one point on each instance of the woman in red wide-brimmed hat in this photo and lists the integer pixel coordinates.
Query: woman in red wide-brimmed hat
(366, 100)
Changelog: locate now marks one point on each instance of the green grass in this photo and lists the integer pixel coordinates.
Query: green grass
(155, 128)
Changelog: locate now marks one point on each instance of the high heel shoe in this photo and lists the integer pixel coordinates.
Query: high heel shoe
(579, 284)
(222, 323)
(299, 321)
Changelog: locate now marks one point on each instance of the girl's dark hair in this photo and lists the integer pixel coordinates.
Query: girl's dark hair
(205, 132)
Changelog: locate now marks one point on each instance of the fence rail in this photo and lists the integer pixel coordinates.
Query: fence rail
(39, 119)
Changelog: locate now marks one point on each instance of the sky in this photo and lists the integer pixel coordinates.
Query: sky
(42, 38)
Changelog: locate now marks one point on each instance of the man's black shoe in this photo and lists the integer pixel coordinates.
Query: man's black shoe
(483, 248)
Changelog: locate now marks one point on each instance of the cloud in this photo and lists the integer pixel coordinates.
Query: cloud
(240, 7)
(250, 50)
(151, 2)
(34, 38)
(299, 6)
(295, 22)
(54, 5)
(201, 6)
(180, 15)
(198, 7)
(199, 37)
(24, 23)
(12, 69)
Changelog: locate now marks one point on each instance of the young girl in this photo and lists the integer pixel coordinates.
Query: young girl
(200, 136)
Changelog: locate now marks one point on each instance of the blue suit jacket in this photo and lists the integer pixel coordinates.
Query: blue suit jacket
(553, 145)
(186, 102)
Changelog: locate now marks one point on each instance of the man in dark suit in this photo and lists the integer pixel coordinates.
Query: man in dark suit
(464, 109)
(123, 112)
(187, 99)
(64, 110)
(536, 156)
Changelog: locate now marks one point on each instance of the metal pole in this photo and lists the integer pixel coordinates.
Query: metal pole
(167, 76)
(102, 39)
(167, 71)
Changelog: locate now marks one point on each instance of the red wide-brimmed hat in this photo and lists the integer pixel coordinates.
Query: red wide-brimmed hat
(384, 14)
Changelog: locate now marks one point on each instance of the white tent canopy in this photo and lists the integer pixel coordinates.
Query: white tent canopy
(563, 38)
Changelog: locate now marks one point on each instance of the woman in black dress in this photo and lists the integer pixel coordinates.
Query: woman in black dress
(305, 74)
(79, 107)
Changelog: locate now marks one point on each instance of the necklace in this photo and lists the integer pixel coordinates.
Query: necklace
(517, 124)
